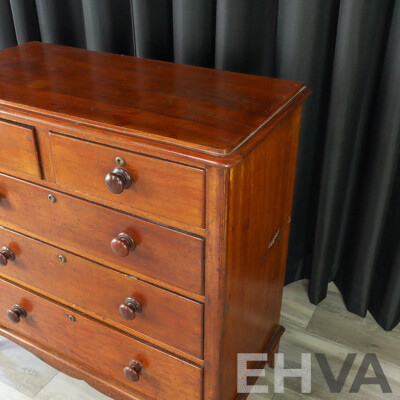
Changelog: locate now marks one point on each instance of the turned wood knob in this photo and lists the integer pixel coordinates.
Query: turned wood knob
(132, 372)
(130, 308)
(118, 180)
(16, 313)
(123, 244)
(5, 255)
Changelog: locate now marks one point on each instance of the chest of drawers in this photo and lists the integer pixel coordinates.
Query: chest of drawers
(144, 218)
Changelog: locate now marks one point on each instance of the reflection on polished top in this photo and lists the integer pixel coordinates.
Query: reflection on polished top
(207, 110)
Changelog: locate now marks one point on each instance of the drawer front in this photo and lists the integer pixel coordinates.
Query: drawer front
(88, 229)
(100, 291)
(18, 150)
(99, 347)
(159, 187)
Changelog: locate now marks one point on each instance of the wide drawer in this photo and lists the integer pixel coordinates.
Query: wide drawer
(18, 149)
(104, 350)
(100, 291)
(88, 229)
(159, 187)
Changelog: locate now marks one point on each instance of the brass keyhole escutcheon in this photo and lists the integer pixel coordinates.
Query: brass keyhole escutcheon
(120, 161)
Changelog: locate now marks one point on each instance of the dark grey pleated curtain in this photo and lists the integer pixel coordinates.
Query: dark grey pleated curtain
(346, 214)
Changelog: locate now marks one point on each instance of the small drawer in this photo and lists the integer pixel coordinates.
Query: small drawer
(101, 348)
(19, 150)
(123, 242)
(102, 292)
(144, 183)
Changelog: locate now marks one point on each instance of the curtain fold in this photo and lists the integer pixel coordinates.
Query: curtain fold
(152, 25)
(305, 51)
(7, 37)
(61, 22)
(245, 36)
(345, 218)
(108, 26)
(194, 32)
(25, 20)
(361, 40)
(370, 277)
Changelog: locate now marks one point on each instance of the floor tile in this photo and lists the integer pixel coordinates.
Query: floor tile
(296, 308)
(291, 395)
(263, 381)
(260, 396)
(334, 300)
(9, 393)
(63, 387)
(21, 370)
(363, 335)
(295, 342)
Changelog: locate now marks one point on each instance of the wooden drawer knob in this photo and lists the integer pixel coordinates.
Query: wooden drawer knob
(123, 244)
(118, 180)
(5, 255)
(132, 372)
(130, 308)
(16, 313)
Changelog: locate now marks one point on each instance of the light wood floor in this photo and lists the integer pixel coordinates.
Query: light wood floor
(328, 329)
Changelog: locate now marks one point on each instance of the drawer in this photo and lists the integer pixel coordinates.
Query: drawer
(101, 348)
(85, 228)
(100, 291)
(158, 187)
(19, 150)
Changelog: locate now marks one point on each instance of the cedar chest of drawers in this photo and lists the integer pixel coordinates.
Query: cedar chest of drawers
(144, 217)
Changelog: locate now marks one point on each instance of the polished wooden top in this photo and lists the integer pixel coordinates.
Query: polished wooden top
(207, 110)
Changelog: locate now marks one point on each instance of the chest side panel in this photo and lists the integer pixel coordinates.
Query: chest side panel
(259, 212)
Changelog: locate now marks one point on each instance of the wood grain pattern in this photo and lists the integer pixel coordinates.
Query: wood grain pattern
(214, 277)
(103, 350)
(296, 340)
(43, 127)
(212, 158)
(18, 149)
(172, 190)
(260, 200)
(72, 368)
(205, 109)
(88, 130)
(166, 317)
(88, 229)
